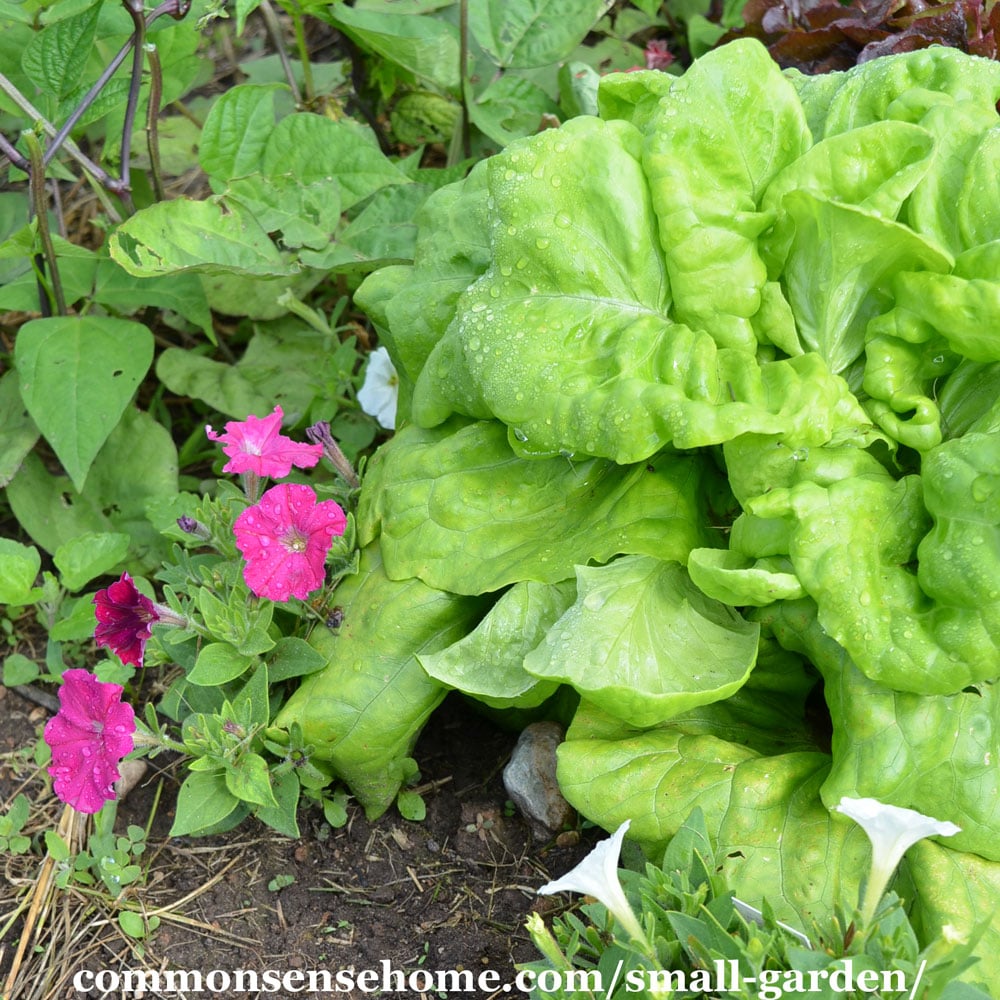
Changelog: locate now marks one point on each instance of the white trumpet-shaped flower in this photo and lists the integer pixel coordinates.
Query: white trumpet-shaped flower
(379, 395)
(892, 831)
(597, 875)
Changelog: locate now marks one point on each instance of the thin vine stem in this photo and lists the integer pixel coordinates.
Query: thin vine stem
(152, 119)
(135, 10)
(274, 30)
(40, 209)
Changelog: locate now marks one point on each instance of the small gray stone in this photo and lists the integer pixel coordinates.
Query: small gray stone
(530, 779)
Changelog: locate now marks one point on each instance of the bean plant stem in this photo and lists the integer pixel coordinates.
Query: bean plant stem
(274, 30)
(50, 130)
(303, 47)
(135, 11)
(152, 119)
(13, 155)
(463, 74)
(40, 209)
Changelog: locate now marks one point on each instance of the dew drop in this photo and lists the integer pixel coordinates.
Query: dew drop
(541, 243)
(520, 435)
(555, 180)
(562, 220)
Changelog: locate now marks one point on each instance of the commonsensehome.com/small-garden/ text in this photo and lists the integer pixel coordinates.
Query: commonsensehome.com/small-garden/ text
(725, 975)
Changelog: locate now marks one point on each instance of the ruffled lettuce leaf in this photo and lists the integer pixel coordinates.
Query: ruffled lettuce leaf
(643, 643)
(933, 753)
(488, 663)
(457, 508)
(853, 545)
(857, 252)
(708, 172)
(904, 86)
(363, 711)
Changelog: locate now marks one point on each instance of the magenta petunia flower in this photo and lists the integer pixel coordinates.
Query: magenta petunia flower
(124, 620)
(255, 445)
(88, 736)
(285, 538)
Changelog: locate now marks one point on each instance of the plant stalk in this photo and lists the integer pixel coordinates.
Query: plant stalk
(152, 120)
(40, 209)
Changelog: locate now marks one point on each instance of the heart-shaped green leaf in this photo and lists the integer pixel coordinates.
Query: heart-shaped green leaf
(77, 376)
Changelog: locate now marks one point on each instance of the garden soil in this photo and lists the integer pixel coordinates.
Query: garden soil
(450, 892)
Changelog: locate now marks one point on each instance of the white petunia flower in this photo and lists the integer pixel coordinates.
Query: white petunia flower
(597, 875)
(379, 395)
(892, 831)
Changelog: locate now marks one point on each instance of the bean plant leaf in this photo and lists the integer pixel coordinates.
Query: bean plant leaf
(311, 148)
(528, 33)
(18, 432)
(186, 235)
(632, 639)
(427, 47)
(511, 107)
(19, 567)
(89, 555)
(114, 498)
(285, 362)
(237, 129)
(77, 375)
(55, 58)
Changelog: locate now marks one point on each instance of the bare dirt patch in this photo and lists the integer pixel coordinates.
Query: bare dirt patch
(451, 892)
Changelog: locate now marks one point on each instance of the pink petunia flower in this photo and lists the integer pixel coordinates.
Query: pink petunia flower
(285, 538)
(124, 620)
(89, 735)
(255, 445)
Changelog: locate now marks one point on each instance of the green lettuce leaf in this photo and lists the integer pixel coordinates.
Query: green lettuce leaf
(904, 86)
(488, 663)
(611, 771)
(852, 547)
(643, 643)
(956, 893)
(363, 711)
(857, 251)
(457, 508)
(708, 173)
(957, 128)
